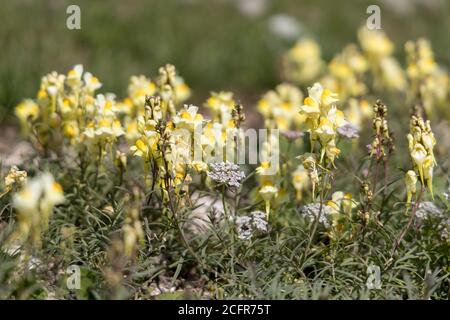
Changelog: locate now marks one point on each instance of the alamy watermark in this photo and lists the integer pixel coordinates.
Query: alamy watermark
(237, 145)
(374, 277)
(73, 21)
(73, 281)
(374, 20)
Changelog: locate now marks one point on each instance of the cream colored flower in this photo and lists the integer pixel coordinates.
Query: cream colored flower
(188, 118)
(279, 107)
(268, 192)
(342, 200)
(410, 182)
(421, 142)
(375, 43)
(27, 112)
(34, 204)
(303, 64)
(74, 76)
(300, 180)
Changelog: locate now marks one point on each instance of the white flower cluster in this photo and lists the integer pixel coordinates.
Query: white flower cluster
(444, 228)
(428, 209)
(349, 131)
(311, 212)
(247, 226)
(226, 173)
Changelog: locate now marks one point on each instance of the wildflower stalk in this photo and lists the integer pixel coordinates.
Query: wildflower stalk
(317, 217)
(410, 221)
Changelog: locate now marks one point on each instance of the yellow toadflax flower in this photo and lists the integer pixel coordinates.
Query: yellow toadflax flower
(188, 118)
(300, 180)
(221, 105)
(323, 119)
(27, 112)
(346, 72)
(375, 43)
(279, 107)
(428, 81)
(303, 64)
(378, 49)
(421, 142)
(268, 192)
(341, 201)
(34, 204)
(267, 178)
(410, 182)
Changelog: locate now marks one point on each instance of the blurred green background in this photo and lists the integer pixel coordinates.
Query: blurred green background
(215, 44)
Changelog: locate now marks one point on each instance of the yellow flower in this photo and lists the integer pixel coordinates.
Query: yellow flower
(221, 105)
(268, 192)
(420, 57)
(421, 142)
(53, 194)
(182, 90)
(70, 129)
(320, 102)
(310, 108)
(188, 118)
(428, 168)
(74, 76)
(139, 87)
(346, 71)
(375, 43)
(27, 111)
(131, 131)
(340, 202)
(140, 149)
(325, 131)
(410, 182)
(331, 151)
(419, 154)
(302, 63)
(279, 107)
(300, 180)
(392, 74)
(323, 119)
(91, 82)
(34, 204)
(121, 160)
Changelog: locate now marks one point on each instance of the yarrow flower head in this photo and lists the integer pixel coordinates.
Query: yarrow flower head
(226, 173)
(427, 210)
(349, 131)
(311, 211)
(15, 178)
(247, 226)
